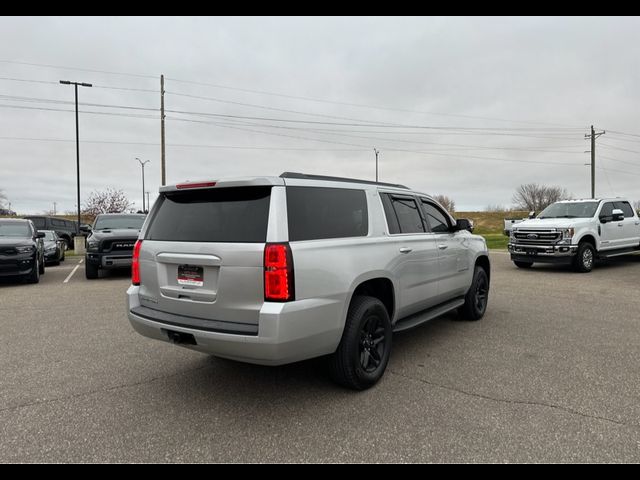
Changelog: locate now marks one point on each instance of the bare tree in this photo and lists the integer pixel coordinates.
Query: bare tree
(107, 201)
(446, 202)
(531, 196)
(636, 205)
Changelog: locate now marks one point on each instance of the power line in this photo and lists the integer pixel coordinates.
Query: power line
(606, 145)
(359, 105)
(80, 111)
(155, 77)
(183, 145)
(383, 148)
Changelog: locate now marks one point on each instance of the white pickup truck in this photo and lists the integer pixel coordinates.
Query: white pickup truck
(576, 232)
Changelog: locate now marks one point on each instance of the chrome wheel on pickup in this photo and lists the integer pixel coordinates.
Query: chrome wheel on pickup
(585, 258)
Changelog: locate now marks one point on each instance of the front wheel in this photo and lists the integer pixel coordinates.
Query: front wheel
(363, 353)
(90, 271)
(477, 297)
(34, 276)
(585, 258)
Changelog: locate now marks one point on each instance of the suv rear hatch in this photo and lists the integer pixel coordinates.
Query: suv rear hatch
(202, 256)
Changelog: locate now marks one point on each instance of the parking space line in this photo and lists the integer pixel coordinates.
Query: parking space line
(66, 280)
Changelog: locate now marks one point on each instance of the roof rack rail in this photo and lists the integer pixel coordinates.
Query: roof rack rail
(304, 176)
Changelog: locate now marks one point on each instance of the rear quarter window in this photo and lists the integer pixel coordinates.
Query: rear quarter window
(237, 215)
(317, 213)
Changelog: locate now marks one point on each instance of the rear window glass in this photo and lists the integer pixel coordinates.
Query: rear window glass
(238, 215)
(318, 212)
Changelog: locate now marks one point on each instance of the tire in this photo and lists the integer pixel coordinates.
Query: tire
(34, 276)
(365, 347)
(62, 258)
(477, 297)
(585, 258)
(523, 264)
(42, 264)
(90, 271)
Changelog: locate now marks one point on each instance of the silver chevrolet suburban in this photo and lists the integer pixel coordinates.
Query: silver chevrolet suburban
(273, 270)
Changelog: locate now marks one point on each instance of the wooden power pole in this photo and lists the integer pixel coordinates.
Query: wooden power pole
(593, 137)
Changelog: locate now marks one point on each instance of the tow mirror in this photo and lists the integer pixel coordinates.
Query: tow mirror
(617, 214)
(532, 214)
(40, 235)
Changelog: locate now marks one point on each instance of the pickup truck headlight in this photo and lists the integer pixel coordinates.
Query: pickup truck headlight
(26, 249)
(93, 245)
(566, 233)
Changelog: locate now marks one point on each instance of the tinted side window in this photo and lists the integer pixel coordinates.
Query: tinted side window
(213, 215)
(318, 212)
(39, 223)
(625, 207)
(408, 214)
(57, 223)
(389, 212)
(437, 220)
(607, 211)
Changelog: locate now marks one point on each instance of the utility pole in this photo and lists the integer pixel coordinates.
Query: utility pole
(376, 152)
(75, 84)
(142, 164)
(162, 151)
(593, 137)
(54, 208)
(148, 204)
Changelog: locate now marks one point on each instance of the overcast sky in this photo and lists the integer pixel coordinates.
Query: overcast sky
(466, 107)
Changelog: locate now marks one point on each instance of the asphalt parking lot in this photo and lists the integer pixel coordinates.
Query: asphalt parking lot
(551, 374)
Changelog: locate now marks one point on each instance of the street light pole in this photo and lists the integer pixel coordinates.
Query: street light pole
(75, 84)
(142, 164)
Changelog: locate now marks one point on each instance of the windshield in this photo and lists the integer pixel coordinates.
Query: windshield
(17, 229)
(119, 221)
(570, 210)
(49, 235)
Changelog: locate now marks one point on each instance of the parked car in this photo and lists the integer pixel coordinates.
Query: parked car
(66, 229)
(21, 250)
(54, 247)
(110, 242)
(273, 270)
(576, 232)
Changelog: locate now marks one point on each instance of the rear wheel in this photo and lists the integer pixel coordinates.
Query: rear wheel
(523, 264)
(585, 258)
(477, 298)
(363, 353)
(90, 271)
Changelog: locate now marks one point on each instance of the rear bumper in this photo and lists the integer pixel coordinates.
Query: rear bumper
(286, 332)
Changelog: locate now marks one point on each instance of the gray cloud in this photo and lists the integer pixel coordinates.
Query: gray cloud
(557, 71)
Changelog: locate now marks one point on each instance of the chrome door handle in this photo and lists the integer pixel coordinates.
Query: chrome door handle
(442, 246)
(406, 250)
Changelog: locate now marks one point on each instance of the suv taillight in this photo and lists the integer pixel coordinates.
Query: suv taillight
(135, 263)
(278, 273)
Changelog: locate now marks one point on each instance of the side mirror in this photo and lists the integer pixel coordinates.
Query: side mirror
(464, 224)
(40, 235)
(617, 214)
(532, 214)
(85, 228)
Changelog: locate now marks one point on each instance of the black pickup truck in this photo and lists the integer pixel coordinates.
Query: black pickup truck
(110, 242)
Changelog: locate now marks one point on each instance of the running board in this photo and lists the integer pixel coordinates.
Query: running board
(617, 253)
(426, 315)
